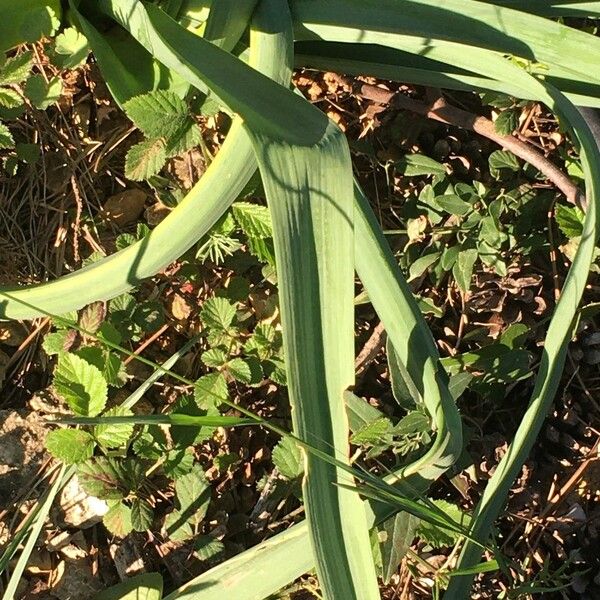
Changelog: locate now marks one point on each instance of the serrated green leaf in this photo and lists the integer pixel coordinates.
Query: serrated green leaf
(193, 494)
(108, 363)
(223, 462)
(125, 303)
(6, 138)
(218, 313)
(158, 114)
(497, 100)
(507, 121)
(71, 48)
(81, 385)
(185, 436)
(437, 536)
(569, 219)
(359, 411)
(211, 390)
(10, 98)
(58, 341)
(188, 136)
(256, 371)
(264, 341)
(16, 69)
(287, 457)
(179, 462)
(101, 477)
(118, 520)
(253, 219)
(92, 316)
(206, 547)
(145, 160)
(149, 316)
(413, 165)
(28, 153)
(373, 433)
(70, 445)
(124, 240)
(263, 249)
(150, 444)
(142, 515)
(214, 358)
(177, 527)
(43, 93)
(240, 370)
(10, 164)
(114, 435)
(413, 422)
(114, 371)
(39, 22)
(463, 268)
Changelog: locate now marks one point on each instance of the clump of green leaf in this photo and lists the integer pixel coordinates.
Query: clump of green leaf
(14, 76)
(452, 227)
(113, 458)
(438, 537)
(235, 353)
(508, 111)
(409, 435)
(245, 222)
(70, 49)
(287, 458)
(169, 129)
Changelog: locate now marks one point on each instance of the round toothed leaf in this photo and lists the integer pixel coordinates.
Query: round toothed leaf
(287, 457)
(141, 515)
(118, 520)
(81, 385)
(70, 445)
(114, 435)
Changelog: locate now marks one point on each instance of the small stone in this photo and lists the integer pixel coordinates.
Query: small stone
(73, 552)
(128, 556)
(77, 508)
(125, 207)
(156, 213)
(74, 581)
(59, 541)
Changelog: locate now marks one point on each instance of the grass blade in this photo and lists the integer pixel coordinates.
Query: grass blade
(33, 528)
(556, 8)
(172, 419)
(468, 22)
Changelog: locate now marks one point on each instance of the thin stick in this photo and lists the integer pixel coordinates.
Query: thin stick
(371, 349)
(440, 110)
(143, 346)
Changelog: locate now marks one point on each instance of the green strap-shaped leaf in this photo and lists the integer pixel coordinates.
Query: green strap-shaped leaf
(390, 63)
(305, 164)
(550, 8)
(466, 22)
